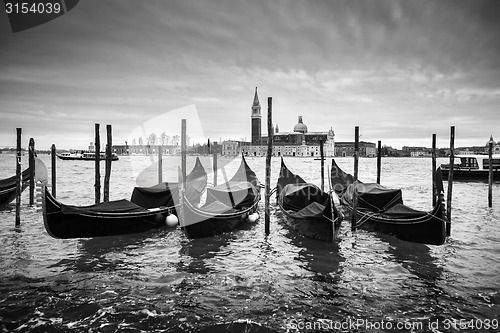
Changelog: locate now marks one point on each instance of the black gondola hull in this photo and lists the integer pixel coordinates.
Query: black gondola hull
(217, 225)
(382, 210)
(430, 229)
(73, 225)
(209, 226)
(227, 207)
(319, 228)
(8, 188)
(306, 208)
(147, 209)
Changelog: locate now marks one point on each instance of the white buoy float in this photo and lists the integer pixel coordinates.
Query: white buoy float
(172, 220)
(253, 217)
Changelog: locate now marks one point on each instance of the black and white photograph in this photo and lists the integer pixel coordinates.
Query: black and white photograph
(250, 166)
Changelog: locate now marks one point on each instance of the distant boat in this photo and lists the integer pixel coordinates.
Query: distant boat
(473, 167)
(381, 209)
(8, 187)
(85, 156)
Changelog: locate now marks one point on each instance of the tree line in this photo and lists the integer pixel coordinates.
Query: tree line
(164, 140)
(156, 140)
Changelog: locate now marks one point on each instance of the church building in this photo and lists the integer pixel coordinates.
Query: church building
(299, 142)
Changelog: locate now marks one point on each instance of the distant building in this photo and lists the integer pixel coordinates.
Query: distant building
(147, 149)
(256, 121)
(474, 150)
(300, 142)
(496, 146)
(345, 149)
(417, 151)
(231, 147)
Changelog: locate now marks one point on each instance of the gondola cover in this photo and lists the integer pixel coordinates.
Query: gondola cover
(117, 206)
(304, 200)
(373, 196)
(162, 194)
(235, 194)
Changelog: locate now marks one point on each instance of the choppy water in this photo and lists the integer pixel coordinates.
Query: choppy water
(162, 282)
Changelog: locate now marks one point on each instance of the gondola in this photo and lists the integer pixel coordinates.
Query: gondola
(381, 209)
(227, 207)
(148, 208)
(8, 187)
(306, 208)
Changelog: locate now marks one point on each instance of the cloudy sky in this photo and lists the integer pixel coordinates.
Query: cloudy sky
(401, 70)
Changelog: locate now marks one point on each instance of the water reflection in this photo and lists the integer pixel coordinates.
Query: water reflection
(322, 259)
(416, 258)
(195, 254)
(101, 254)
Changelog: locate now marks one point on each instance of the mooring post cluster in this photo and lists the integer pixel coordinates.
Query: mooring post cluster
(97, 159)
(19, 175)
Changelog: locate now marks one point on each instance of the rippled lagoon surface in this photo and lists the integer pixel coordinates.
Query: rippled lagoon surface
(161, 281)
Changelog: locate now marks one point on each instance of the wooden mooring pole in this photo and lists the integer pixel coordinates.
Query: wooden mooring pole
(354, 216)
(450, 181)
(107, 172)
(379, 160)
(268, 163)
(183, 149)
(97, 150)
(53, 167)
(160, 164)
(322, 165)
(433, 152)
(19, 180)
(214, 161)
(31, 154)
(490, 172)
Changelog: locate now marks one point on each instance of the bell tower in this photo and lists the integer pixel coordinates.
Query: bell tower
(256, 120)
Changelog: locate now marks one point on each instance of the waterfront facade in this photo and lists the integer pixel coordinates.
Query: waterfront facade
(147, 149)
(346, 149)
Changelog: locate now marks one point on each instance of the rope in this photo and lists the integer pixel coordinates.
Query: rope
(329, 219)
(272, 191)
(368, 216)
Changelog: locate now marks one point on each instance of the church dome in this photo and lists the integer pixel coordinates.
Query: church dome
(300, 127)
